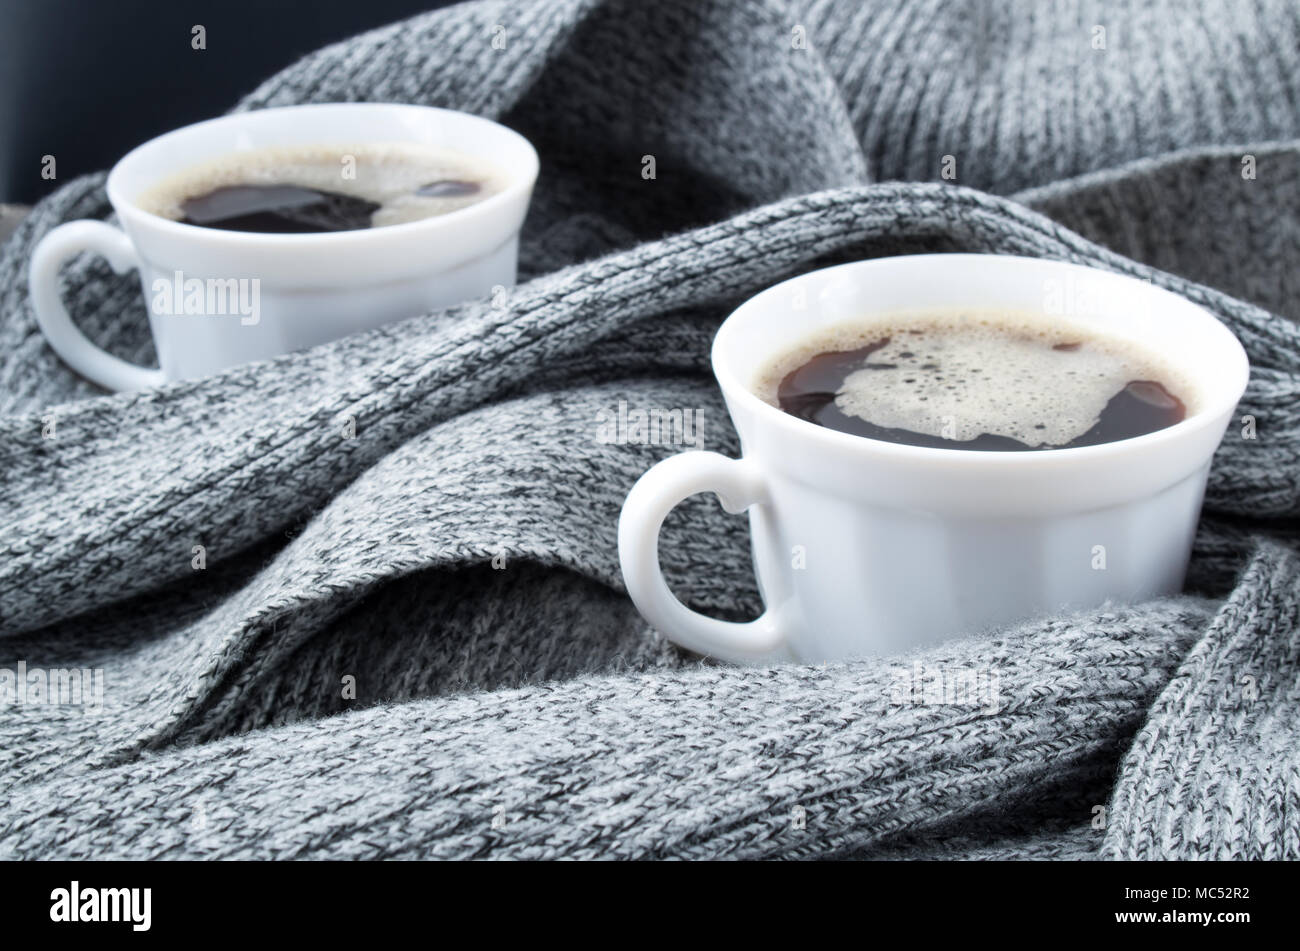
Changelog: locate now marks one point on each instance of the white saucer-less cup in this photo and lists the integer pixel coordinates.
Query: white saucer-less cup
(864, 547)
(310, 288)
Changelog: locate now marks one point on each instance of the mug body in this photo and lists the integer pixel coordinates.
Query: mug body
(218, 298)
(871, 547)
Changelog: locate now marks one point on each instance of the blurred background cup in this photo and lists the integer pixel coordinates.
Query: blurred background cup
(280, 292)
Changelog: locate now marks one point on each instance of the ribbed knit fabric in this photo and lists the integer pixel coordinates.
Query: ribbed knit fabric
(1022, 94)
(1215, 772)
(455, 559)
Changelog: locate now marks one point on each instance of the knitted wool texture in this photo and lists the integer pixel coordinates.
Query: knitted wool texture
(525, 710)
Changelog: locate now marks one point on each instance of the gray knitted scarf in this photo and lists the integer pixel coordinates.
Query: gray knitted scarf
(411, 640)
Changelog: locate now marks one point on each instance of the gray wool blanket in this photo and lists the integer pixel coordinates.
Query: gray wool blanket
(407, 637)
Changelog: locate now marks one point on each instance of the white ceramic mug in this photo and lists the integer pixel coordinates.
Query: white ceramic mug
(310, 288)
(867, 547)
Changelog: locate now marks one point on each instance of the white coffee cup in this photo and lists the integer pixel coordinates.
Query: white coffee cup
(866, 547)
(310, 288)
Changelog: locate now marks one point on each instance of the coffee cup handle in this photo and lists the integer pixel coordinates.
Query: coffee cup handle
(738, 485)
(62, 243)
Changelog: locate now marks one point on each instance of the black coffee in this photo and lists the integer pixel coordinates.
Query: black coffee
(277, 209)
(322, 188)
(991, 382)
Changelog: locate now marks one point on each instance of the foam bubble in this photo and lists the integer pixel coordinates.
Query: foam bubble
(957, 376)
(388, 174)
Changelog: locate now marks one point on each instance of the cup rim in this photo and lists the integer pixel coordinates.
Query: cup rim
(520, 184)
(739, 393)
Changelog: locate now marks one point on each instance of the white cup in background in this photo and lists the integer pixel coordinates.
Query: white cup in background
(310, 288)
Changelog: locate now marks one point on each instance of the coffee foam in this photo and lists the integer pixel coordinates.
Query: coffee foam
(387, 174)
(994, 373)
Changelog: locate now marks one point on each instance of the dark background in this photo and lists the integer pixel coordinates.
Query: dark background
(88, 80)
